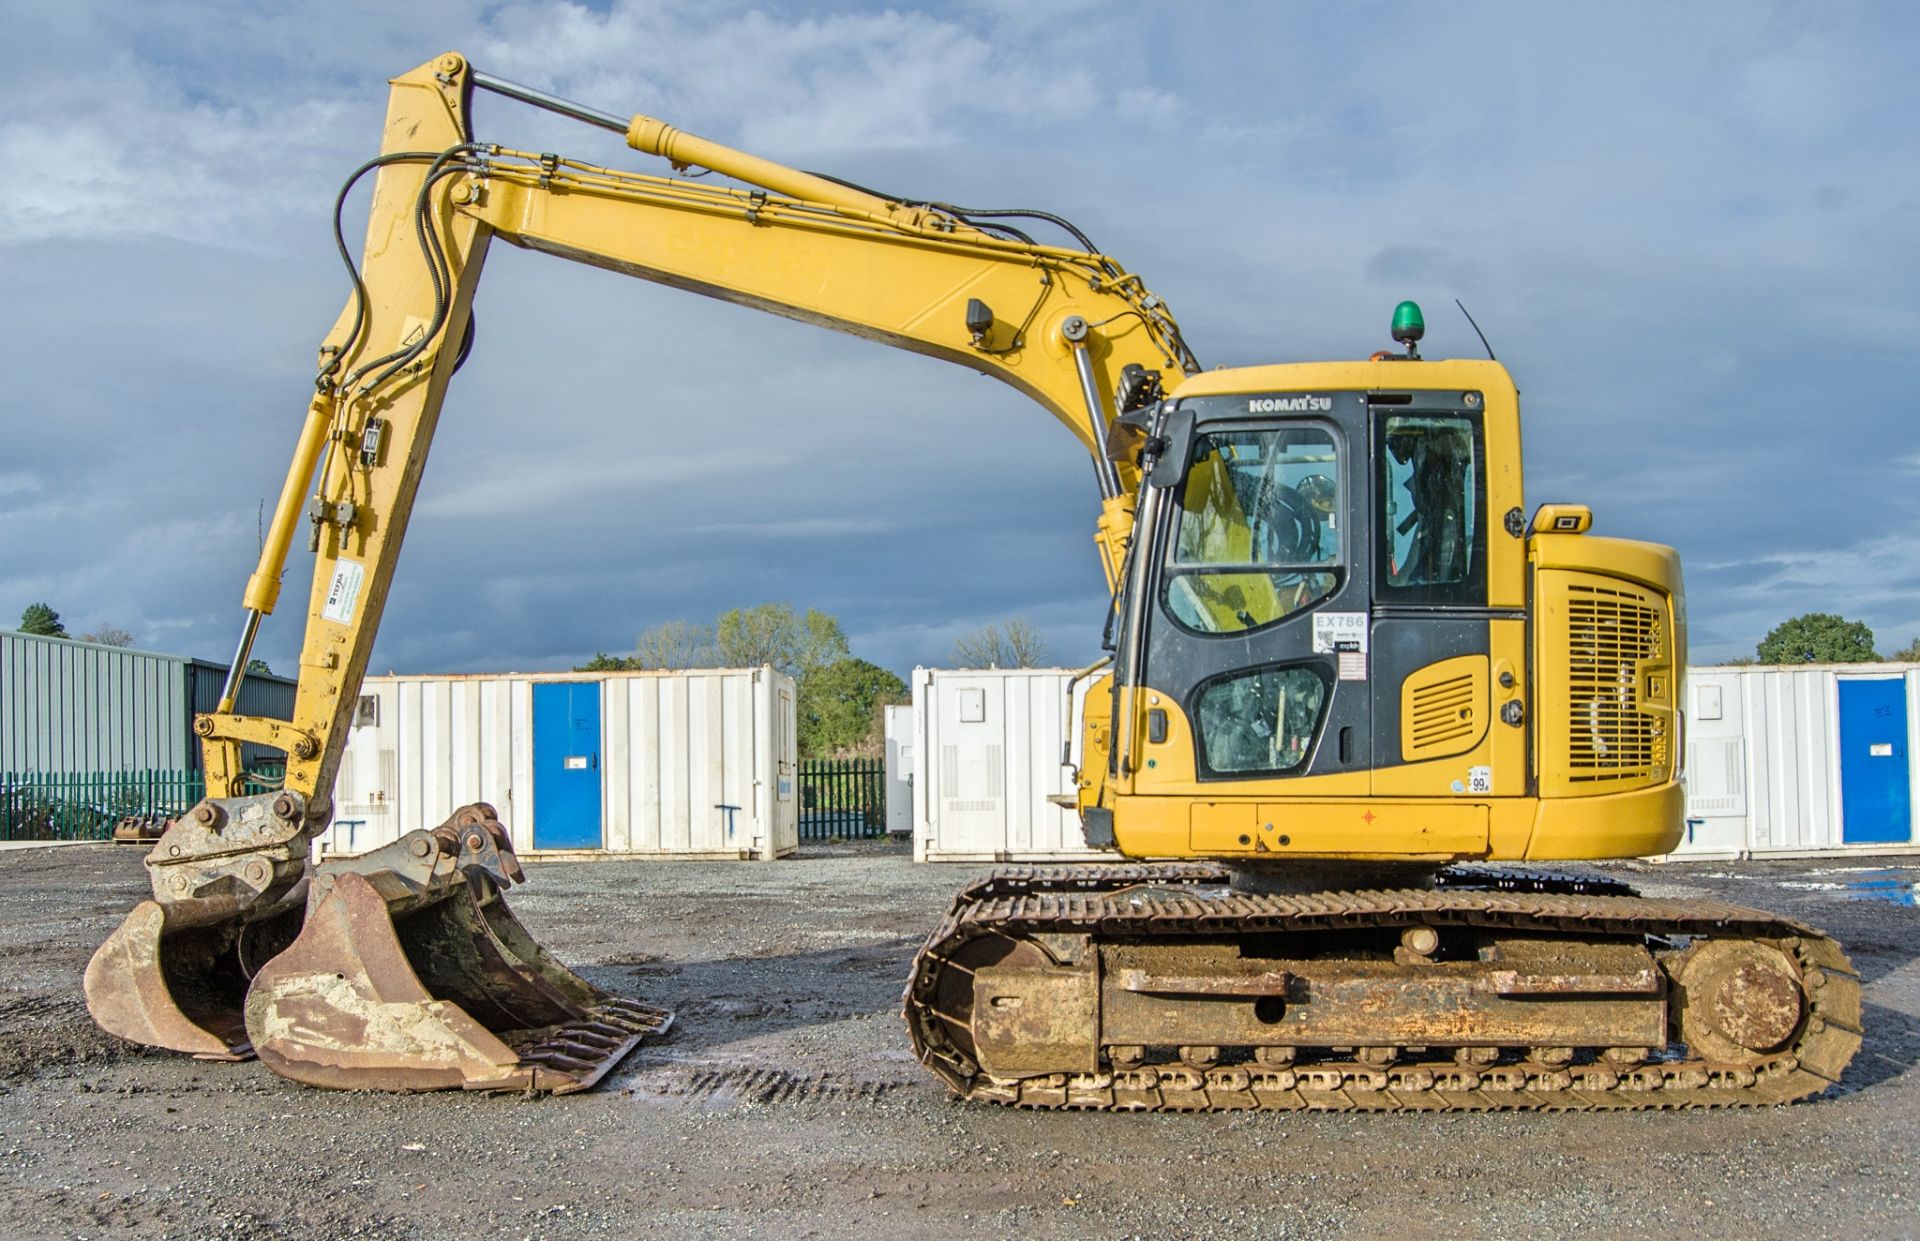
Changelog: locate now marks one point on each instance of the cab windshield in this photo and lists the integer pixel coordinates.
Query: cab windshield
(1258, 534)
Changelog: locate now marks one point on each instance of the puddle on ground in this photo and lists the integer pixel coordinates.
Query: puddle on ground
(1896, 885)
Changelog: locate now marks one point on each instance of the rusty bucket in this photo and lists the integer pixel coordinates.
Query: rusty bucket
(411, 973)
(229, 886)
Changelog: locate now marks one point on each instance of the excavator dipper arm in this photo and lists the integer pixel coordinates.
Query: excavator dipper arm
(1063, 326)
(407, 971)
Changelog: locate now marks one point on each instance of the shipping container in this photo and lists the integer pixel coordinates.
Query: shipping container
(79, 707)
(1799, 759)
(897, 722)
(693, 764)
(992, 767)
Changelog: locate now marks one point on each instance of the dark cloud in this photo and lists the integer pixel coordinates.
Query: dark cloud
(1688, 232)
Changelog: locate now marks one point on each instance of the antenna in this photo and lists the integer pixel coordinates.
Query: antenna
(1476, 331)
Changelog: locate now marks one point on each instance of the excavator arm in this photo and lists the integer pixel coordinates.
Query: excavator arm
(1069, 328)
(403, 968)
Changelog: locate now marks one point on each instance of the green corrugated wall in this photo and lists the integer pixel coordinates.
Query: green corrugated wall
(69, 706)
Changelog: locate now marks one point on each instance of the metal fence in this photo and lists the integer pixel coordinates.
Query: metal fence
(844, 798)
(86, 805)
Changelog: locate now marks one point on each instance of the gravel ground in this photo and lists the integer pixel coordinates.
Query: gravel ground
(785, 1102)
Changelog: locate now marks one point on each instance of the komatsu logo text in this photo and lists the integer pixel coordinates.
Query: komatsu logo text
(1289, 404)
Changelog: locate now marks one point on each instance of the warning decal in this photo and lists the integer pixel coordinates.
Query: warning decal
(343, 592)
(1343, 634)
(1332, 629)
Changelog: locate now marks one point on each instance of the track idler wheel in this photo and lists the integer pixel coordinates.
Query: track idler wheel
(1736, 1000)
(412, 974)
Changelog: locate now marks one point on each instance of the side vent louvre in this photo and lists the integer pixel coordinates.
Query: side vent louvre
(1613, 634)
(1443, 712)
(1444, 708)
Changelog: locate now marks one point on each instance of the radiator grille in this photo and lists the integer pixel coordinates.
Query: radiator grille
(1612, 633)
(1443, 712)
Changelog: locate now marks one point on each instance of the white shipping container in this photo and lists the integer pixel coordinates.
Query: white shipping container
(693, 764)
(989, 751)
(1764, 763)
(898, 724)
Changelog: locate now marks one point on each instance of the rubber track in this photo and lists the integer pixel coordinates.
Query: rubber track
(1147, 901)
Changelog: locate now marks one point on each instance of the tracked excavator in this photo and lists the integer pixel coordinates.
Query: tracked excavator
(1351, 678)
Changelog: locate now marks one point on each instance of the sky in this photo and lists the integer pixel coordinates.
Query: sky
(1688, 230)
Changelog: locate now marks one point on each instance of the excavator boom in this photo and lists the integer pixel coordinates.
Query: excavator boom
(403, 968)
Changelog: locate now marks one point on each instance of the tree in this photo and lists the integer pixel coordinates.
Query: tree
(836, 705)
(766, 633)
(42, 620)
(1017, 645)
(259, 666)
(603, 662)
(1908, 654)
(822, 641)
(674, 644)
(772, 633)
(1818, 638)
(837, 695)
(108, 635)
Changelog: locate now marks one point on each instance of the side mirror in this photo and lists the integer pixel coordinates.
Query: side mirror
(1561, 519)
(1169, 450)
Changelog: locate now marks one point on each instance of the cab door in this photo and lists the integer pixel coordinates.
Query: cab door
(1438, 650)
(1257, 621)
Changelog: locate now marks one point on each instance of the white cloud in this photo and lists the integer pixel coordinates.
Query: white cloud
(20, 484)
(1873, 578)
(798, 528)
(519, 486)
(1148, 104)
(787, 86)
(1692, 241)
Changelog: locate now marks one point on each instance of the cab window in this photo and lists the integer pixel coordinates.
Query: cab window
(1432, 541)
(1258, 533)
(1260, 722)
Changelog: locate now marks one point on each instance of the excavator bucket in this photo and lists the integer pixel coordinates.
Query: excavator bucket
(229, 886)
(411, 973)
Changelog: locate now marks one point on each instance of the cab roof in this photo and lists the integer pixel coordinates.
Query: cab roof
(1478, 374)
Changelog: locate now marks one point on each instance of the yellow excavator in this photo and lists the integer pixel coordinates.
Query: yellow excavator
(1345, 662)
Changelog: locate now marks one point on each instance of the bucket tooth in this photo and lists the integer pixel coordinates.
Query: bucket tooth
(228, 883)
(412, 974)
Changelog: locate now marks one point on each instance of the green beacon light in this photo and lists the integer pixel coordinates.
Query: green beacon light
(1409, 326)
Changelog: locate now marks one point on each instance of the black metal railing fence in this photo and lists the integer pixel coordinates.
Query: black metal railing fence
(84, 805)
(843, 797)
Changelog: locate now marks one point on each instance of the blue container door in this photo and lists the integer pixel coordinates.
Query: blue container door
(566, 765)
(1875, 790)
